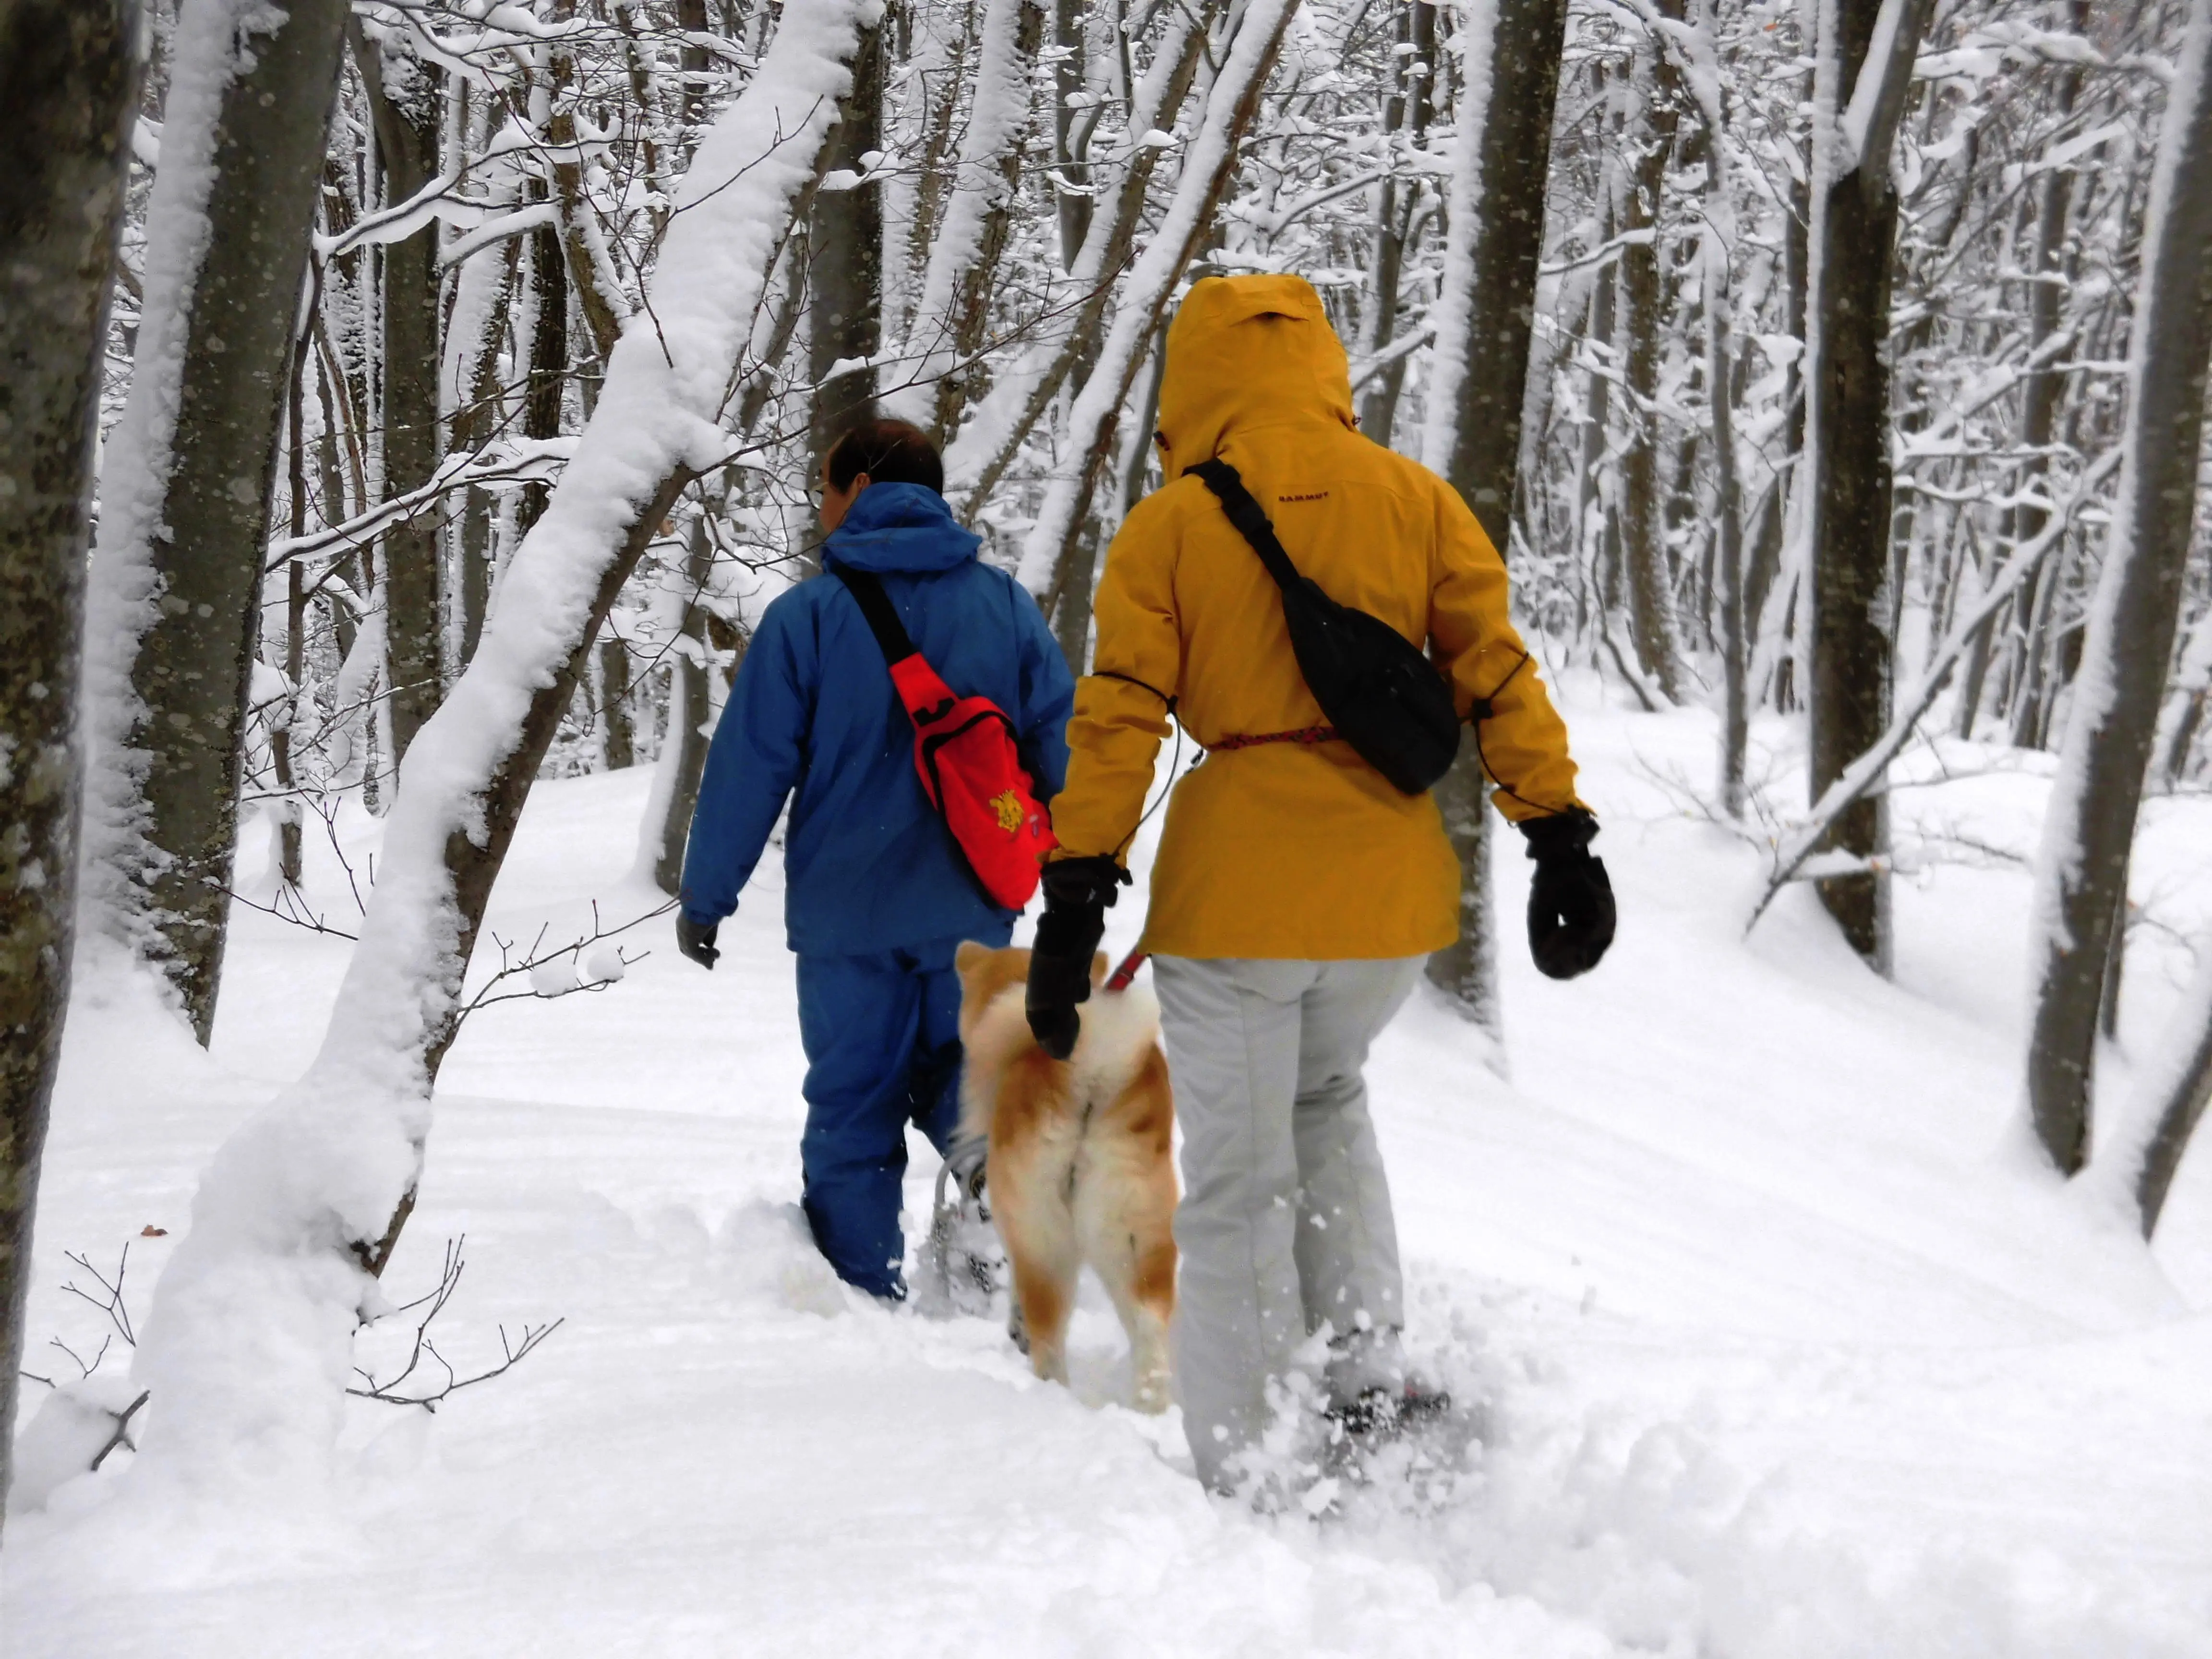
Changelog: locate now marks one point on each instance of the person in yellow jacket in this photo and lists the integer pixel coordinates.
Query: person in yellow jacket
(1296, 891)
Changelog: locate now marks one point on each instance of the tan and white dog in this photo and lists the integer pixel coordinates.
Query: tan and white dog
(1081, 1166)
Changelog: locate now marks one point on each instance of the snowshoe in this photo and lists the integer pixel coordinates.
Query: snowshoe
(963, 1262)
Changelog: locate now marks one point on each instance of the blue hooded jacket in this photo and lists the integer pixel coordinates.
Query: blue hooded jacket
(869, 864)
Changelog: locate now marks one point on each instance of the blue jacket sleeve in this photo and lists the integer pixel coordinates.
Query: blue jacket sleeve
(757, 757)
(1047, 697)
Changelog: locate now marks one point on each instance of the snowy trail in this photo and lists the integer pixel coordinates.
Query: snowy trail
(1785, 1351)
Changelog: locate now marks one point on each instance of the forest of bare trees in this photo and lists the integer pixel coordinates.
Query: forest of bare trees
(1838, 366)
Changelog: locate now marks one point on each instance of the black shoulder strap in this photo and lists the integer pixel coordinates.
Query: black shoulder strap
(1250, 521)
(876, 605)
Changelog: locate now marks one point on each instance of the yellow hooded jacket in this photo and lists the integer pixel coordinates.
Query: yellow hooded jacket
(1287, 850)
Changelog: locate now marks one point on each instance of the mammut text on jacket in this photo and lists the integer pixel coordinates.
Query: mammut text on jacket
(869, 864)
(1283, 849)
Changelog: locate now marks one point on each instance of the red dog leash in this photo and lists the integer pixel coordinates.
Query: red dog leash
(1121, 977)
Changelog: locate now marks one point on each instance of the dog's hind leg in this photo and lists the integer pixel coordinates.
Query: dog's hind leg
(1033, 1139)
(1040, 1236)
(1125, 1217)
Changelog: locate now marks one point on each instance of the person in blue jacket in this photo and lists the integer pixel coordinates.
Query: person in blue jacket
(877, 896)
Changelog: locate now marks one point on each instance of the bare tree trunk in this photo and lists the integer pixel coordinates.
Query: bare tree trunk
(845, 271)
(617, 733)
(1071, 130)
(1854, 238)
(960, 262)
(1409, 112)
(1651, 130)
(2177, 1086)
(69, 80)
(407, 131)
(199, 444)
(2089, 828)
(548, 384)
(684, 742)
(473, 421)
(1496, 244)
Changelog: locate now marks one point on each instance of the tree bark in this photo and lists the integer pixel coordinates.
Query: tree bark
(547, 385)
(1508, 143)
(617, 736)
(1651, 132)
(1071, 130)
(69, 80)
(2176, 1091)
(2090, 825)
(205, 521)
(845, 271)
(686, 738)
(1854, 237)
(1408, 114)
(407, 121)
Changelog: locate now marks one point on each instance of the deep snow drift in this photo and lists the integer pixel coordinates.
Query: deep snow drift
(1787, 1345)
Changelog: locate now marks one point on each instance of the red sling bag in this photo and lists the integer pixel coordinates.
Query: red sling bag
(964, 752)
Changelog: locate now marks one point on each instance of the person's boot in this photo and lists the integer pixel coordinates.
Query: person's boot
(1379, 1414)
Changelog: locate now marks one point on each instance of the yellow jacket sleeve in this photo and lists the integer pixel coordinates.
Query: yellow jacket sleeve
(1121, 706)
(1524, 742)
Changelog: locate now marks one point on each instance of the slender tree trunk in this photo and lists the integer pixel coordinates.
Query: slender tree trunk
(960, 262)
(69, 80)
(2089, 828)
(473, 421)
(1652, 130)
(407, 121)
(1496, 241)
(617, 725)
(684, 743)
(547, 386)
(1071, 133)
(1409, 113)
(1854, 238)
(196, 455)
(2177, 1086)
(281, 724)
(845, 272)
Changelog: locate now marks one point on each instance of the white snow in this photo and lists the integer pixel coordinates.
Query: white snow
(1786, 1349)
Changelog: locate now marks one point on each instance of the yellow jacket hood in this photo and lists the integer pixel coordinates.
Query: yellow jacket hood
(1247, 351)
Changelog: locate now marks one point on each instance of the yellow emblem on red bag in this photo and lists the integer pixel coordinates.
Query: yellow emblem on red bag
(1008, 806)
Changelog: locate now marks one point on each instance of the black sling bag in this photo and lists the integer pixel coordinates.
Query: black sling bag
(1382, 695)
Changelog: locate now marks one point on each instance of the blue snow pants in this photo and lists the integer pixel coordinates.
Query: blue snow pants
(882, 1035)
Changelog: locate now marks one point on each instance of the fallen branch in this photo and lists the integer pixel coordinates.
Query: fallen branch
(391, 1390)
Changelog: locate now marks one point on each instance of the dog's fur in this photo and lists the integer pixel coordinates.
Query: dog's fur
(1081, 1166)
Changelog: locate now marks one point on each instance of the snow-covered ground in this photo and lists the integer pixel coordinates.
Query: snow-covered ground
(1788, 1347)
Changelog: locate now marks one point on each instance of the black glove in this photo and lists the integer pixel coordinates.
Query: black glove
(1076, 894)
(1571, 912)
(696, 940)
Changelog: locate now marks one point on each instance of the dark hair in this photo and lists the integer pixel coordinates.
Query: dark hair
(888, 451)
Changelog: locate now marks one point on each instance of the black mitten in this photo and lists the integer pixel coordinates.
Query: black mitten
(1076, 894)
(697, 942)
(1570, 911)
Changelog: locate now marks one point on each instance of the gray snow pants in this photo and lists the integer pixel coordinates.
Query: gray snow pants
(1285, 1216)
